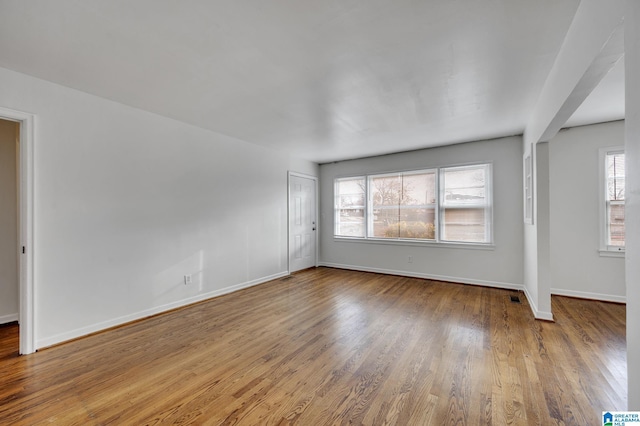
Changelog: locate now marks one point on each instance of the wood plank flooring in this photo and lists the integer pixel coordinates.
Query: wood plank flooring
(329, 346)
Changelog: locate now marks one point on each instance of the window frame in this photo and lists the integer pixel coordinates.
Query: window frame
(400, 207)
(606, 249)
(437, 241)
(487, 205)
(337, 207)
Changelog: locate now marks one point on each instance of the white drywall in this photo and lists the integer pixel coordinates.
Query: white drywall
(632, 194)
(9, 290)
(128, 202)
(577, 268)
(500, 266)
(542, 308)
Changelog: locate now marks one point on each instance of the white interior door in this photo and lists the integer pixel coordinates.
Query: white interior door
(302, 223)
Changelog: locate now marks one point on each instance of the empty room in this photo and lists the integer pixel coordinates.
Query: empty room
(318, 213)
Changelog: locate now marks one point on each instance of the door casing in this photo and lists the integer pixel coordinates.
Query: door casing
(27, 314)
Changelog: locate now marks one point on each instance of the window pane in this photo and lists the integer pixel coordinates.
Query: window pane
(417, 223)
(464, 186)
(464, 204)
(462, 224)
(385, 191)
(403, 205)
(616, 225)
(417, 206)
(385, 204)
(615, 177)
(615, 163)
(349, 205)
(419, 189)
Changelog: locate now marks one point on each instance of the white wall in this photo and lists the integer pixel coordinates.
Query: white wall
(128, 202)
(577, 269)
(501, 266)
(9, 290)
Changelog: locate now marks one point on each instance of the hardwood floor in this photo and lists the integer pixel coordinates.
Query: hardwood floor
(329, 346)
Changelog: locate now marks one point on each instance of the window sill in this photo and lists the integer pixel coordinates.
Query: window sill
(611, 253)
(441, 244)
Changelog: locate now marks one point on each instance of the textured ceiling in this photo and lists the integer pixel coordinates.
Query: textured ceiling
(323, 80)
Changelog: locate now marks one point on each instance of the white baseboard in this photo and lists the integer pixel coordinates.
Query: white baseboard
(587, 295)
(412, 274)
(538, 314)
(83, 331)
(4, 319)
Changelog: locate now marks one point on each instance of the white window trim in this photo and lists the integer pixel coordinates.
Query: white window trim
(527, 190)
(437, 241)
(606, 250)
(488, 203)
(335, 202)
(369, 204)
(415, 242)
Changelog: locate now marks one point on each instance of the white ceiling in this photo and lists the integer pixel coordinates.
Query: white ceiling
(605, 103)
(323, 80)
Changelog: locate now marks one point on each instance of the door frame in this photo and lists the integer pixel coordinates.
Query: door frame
(27, 312)
(315, 185)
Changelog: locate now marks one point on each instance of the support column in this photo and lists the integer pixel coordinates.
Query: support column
(632, 198)
(593, 45)
(543, 218)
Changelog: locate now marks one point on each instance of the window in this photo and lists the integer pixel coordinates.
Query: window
(349, 204)
(613, 234)
(403, 205)
(448, 204)
(465, 207)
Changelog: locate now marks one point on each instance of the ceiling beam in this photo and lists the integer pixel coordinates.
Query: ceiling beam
(593, 45)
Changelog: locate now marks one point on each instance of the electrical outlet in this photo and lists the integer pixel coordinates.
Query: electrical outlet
(187, 279)
(410, 259)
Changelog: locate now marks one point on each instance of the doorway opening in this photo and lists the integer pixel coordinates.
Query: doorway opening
(9, 269)
(18, 254)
